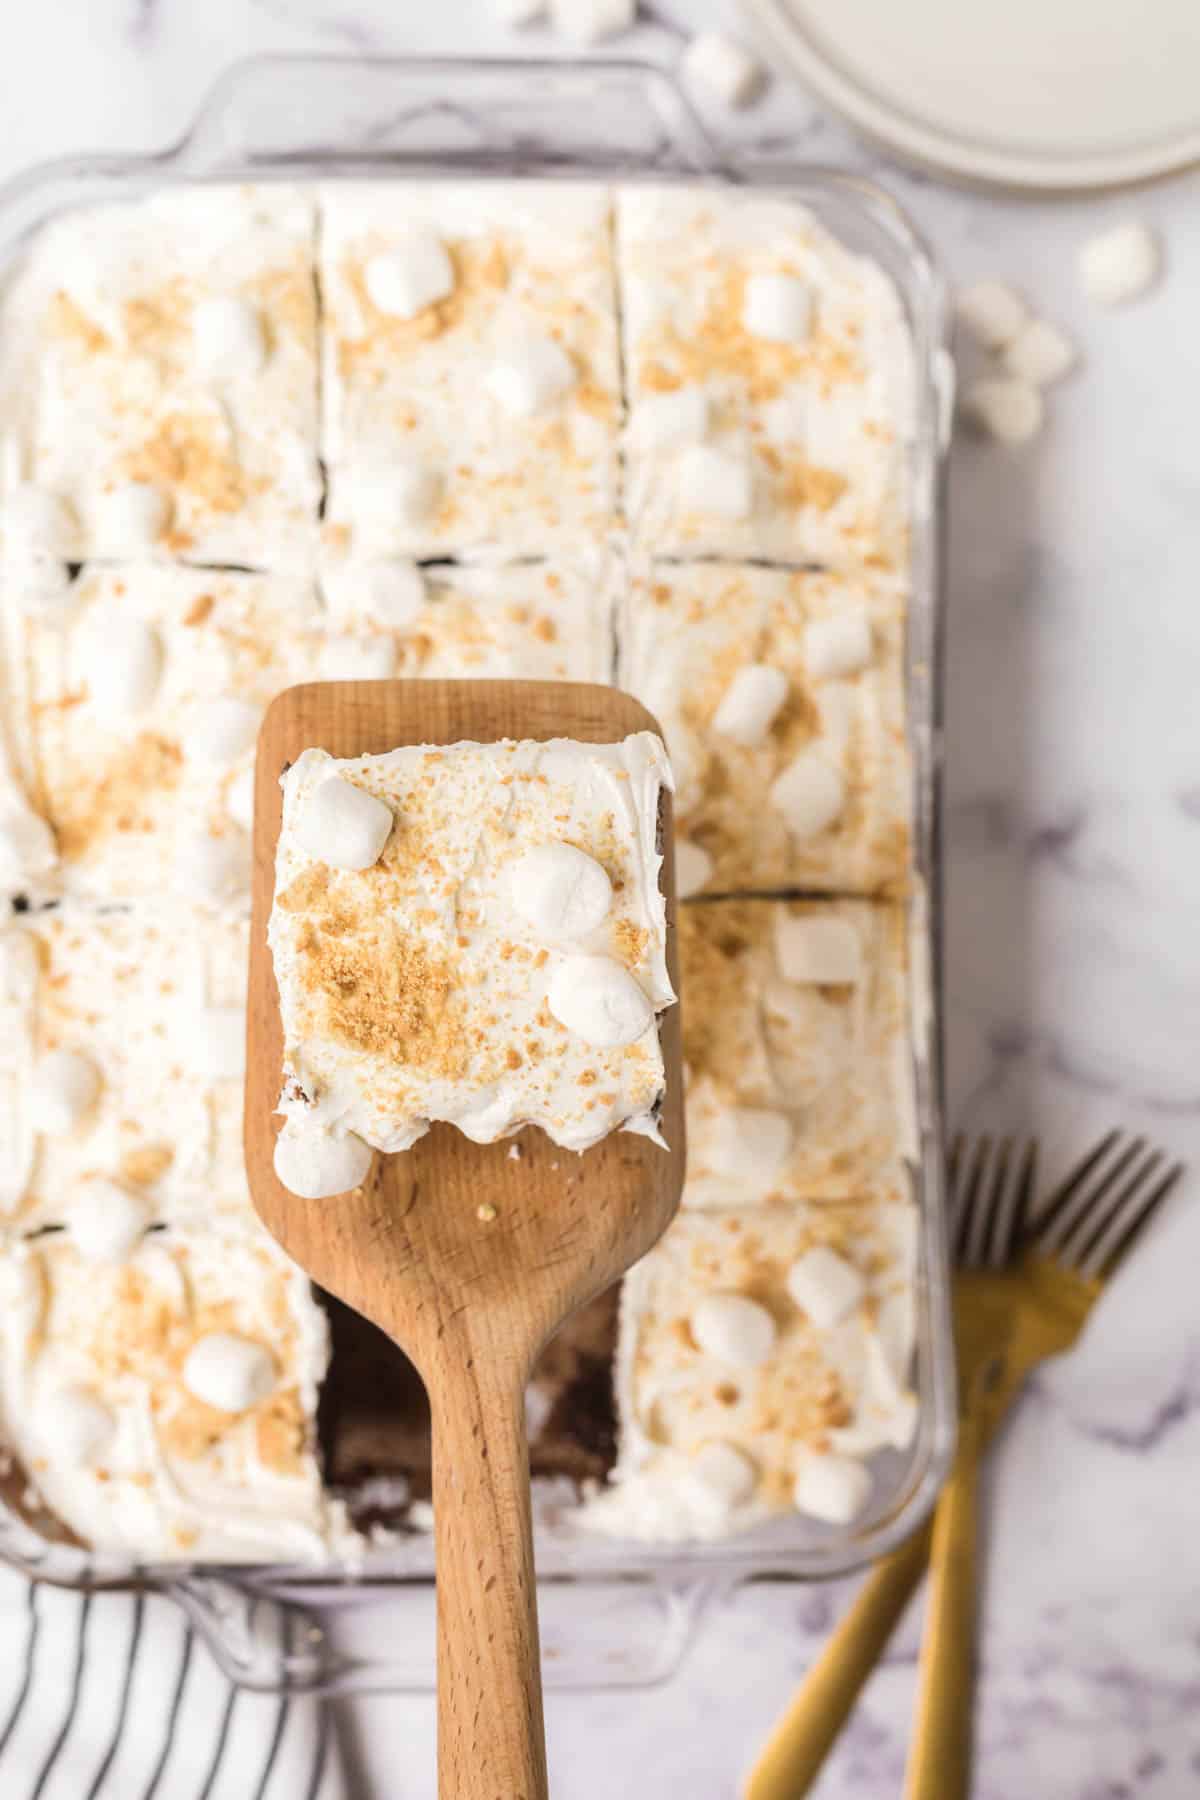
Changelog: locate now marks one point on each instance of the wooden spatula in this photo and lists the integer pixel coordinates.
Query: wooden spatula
(470, 1299)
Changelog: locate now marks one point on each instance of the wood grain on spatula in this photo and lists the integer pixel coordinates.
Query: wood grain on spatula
(471, 1300)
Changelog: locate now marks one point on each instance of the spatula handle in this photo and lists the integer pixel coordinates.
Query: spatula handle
(491, 1736)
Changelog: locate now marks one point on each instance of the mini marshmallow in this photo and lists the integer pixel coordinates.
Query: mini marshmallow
(413, 274)
(533, 373)
(403, 494)
(213, 868)
(518, 12)
(1003, 408)
(228, 337)
(590, 21)
(106, 1221)
(239, 798)
(43, 590)
(992, 312)
(27, 846)
(317, 1164)
(714, 64)
(37, 520)
(663, 421)
(733, 1329)
(752, 1143)
(810, 794)
(222, 730)
(136, 513)
(812, 948)
(390, 593)
(343, 825)
(216, 1043)
(1120, 265)
(123, 661)
(76, 1426)
(63, 1089)
(778, 308)
(559, 890)
(693, 868)
(228, 1372)
(350, 658)
(838, 646)
(825, 1286)
(1040, 354)
(725, 1472)
(715, 481)
(834, 1489)
(599, 1000)
(750, 704)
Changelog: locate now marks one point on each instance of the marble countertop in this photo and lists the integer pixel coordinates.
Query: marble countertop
(1073, 862)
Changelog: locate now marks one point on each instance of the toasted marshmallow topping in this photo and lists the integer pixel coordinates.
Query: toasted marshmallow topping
(123, 659)
(217, 1043)
(839, 645)
(136, 513)
(599, 1001)
(412, 275)
(716, 481)
(228, 1372)
(733, 1329)
(562, 892)
(221, 731)
(825, 1286)
(832, 1488)
(358, 658)
(992, 312)
(1119, 265)
(693, 868)
(817, 948)
(106, 1222)
(228, 339)
(76, 1425)
(211, 868)
(343, 825)
(810, 794)
(668, 421)
(532, 374)
(316, 1163)
(63, 1089)
(750, 703)
(778, 308)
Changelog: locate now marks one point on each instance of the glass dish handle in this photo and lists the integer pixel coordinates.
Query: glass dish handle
(334, 115)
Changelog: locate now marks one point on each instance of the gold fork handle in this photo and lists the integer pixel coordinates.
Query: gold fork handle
(939, 1763)
(804, 1736)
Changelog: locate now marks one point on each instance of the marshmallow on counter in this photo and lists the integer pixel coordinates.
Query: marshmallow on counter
(135, 513)
(667, 420)
(1120, 264)
(239, 798)
(343, 825)
(1040, 354)
(1003, 408)
(752, 1143)
(778, 308)
(992, 312)
(316, 1164)
(217, 1043)
(122, 665)
(212, 868)
(531, 375)
(834, 1489)
(838, 645)
(693, 868)
(820, 948)
(598, 999)
(733, 1329)
(347, 657)
(519, 12)
(228, 1372)
(750, 703)
(810, 794)
(75, 1425)
(106, 1222)
(38, 521)
(63, 1090)
(714, 64)
(825, 1286)
(725, 1473)
(591, 21)
(222, 730)
(413, 274)
(716, 481)
(228, 337)
(27, 845)
(559, 890)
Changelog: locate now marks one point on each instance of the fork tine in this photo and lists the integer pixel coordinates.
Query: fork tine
(1077, 1194)
(1010, 1216)
(954, 1158)
(1113, 1236)
(966, 1199)
(989, 1213)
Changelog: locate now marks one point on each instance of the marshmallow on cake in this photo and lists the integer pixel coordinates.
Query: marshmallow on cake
(471, 378)
(764, 1356)
(797, 1058)
(163, 1404)
(122, 1050)
(770, 380)
(473, 933)
(158, 369)
(134, 712)
(782, 698)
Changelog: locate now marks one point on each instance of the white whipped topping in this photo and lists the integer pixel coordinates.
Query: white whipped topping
(228, 1372)
(818, 947)
(599, 1001)
(532, 373)
(217, 1043)
(62, 1091)
(561, 891)
(27, 845)
(838, 645)
(750, 704)
(832, 1488)
(391, 593)
(693, 868)
(43, 590)
(733, 1329)
(778, 308)
(366, 657)
(38, 521)
(211, 868)
(228, 337)
(343, 825)
(122, 662)
(133, 516)
(105, 1221)
(316, 1163)
(716, 481)
(810, 794)
(413, 274)
(752, 1145)
(76, 1426)
(222, 730)
(825, 1286)
(669, 420)
(239, 798)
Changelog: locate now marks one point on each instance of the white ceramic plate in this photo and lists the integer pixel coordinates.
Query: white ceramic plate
(1050, 94)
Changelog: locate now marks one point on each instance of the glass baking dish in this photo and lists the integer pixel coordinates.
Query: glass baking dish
(612, 1613)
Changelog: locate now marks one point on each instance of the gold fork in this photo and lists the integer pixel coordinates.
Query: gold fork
(1006, 1321)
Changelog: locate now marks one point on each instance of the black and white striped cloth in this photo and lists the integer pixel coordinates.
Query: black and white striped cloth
(114, 1697)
